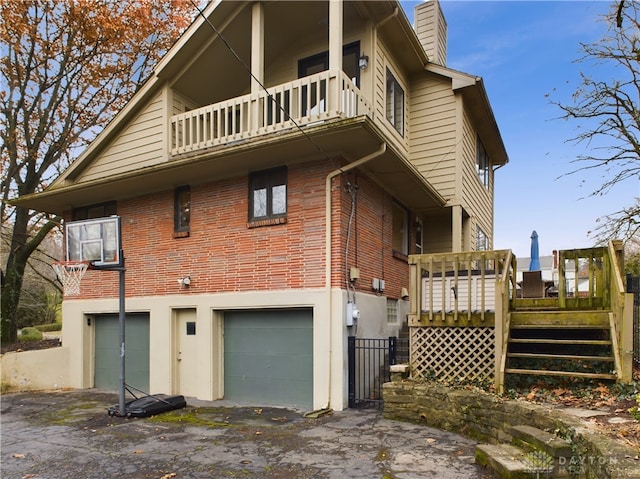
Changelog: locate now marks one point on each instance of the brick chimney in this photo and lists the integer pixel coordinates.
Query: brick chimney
(431, 28)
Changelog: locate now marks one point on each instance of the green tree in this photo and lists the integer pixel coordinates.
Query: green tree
(67, 67)
(608, 116)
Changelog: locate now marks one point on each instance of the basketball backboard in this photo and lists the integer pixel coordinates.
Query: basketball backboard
(95, 240)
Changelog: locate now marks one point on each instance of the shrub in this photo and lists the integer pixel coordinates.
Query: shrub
(45, 328)
(30, 334)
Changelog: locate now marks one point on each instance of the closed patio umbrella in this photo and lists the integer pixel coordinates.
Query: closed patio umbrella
(534, 265)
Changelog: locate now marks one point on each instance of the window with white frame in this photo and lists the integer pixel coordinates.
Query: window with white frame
(482, 163)
(395, 103)
(392, 310)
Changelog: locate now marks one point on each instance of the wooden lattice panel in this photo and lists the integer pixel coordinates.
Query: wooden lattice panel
(460, 354)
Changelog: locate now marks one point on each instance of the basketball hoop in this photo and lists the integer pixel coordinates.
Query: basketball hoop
(70, 274)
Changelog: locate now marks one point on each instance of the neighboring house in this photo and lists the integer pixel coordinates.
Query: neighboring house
(282, 205)
(548, 268)
(550, 274)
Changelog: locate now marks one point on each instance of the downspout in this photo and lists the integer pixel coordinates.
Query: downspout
(327, 239)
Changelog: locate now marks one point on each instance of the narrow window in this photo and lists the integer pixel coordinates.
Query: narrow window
(400, 236)
(182, 211)
(482, 164)
(395, 103)
(268, 194)
(392, 310)
(418, 232)
(191, 328)
(482, 240)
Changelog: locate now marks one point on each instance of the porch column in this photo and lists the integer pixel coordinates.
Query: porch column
(456, 229)
(336, 21)
(257, 64)
(257, 46)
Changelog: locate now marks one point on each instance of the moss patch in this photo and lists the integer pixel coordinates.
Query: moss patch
(191, 416)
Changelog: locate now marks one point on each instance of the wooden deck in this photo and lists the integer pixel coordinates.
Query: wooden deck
(465, 309)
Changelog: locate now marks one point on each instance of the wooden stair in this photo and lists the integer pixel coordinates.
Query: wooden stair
(561, 343)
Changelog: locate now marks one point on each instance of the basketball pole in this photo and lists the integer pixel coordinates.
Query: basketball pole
(121, 322)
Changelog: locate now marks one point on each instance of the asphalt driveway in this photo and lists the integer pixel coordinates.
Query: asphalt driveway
(61, 435)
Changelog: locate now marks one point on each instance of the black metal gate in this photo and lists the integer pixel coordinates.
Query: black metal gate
(633, 286)
(369, 361)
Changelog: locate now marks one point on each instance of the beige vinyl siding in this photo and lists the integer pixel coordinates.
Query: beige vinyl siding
(432, 146)
(139, 145)
(476, 198)
(180, 103)
(437, 232)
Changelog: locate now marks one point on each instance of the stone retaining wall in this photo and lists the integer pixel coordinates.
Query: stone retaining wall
(489, 418)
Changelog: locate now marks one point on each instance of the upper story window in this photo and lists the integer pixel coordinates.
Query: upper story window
(314, 96)
(182, 211)
(395, 103)
(482, 164)
(400, 235)
(482, 240)
(99, 210)
(320, 62)
(268, 194)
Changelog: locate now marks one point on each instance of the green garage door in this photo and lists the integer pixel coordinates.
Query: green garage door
(107, 351)
(268, 357)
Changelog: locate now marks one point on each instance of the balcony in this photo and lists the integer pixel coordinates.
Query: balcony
(328, 95)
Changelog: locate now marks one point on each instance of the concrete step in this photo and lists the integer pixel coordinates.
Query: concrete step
(552, 449)
(533, 453)
(505, 460)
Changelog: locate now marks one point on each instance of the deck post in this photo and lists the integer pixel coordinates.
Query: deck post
(499, 336)
(626, 340)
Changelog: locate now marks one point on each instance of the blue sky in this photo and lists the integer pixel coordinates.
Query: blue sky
(526, 53)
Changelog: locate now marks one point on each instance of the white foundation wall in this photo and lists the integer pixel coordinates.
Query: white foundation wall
(373, 322)
(329, 335)
(36, 370)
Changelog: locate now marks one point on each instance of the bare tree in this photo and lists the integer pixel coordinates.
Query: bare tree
(67, 67)
(607, 111)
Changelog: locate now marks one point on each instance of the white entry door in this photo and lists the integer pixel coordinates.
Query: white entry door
(186, 353)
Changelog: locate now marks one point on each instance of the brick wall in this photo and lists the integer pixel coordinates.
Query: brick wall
(370, 247)
(223, 253)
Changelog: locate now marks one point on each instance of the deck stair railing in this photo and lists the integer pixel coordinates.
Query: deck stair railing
(468, 323)
(301, 102)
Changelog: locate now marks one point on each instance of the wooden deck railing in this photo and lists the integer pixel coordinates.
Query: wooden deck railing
(451, 287)
(584, 276)
(301, 102)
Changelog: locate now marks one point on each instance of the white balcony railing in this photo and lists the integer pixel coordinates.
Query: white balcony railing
(300, 102)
